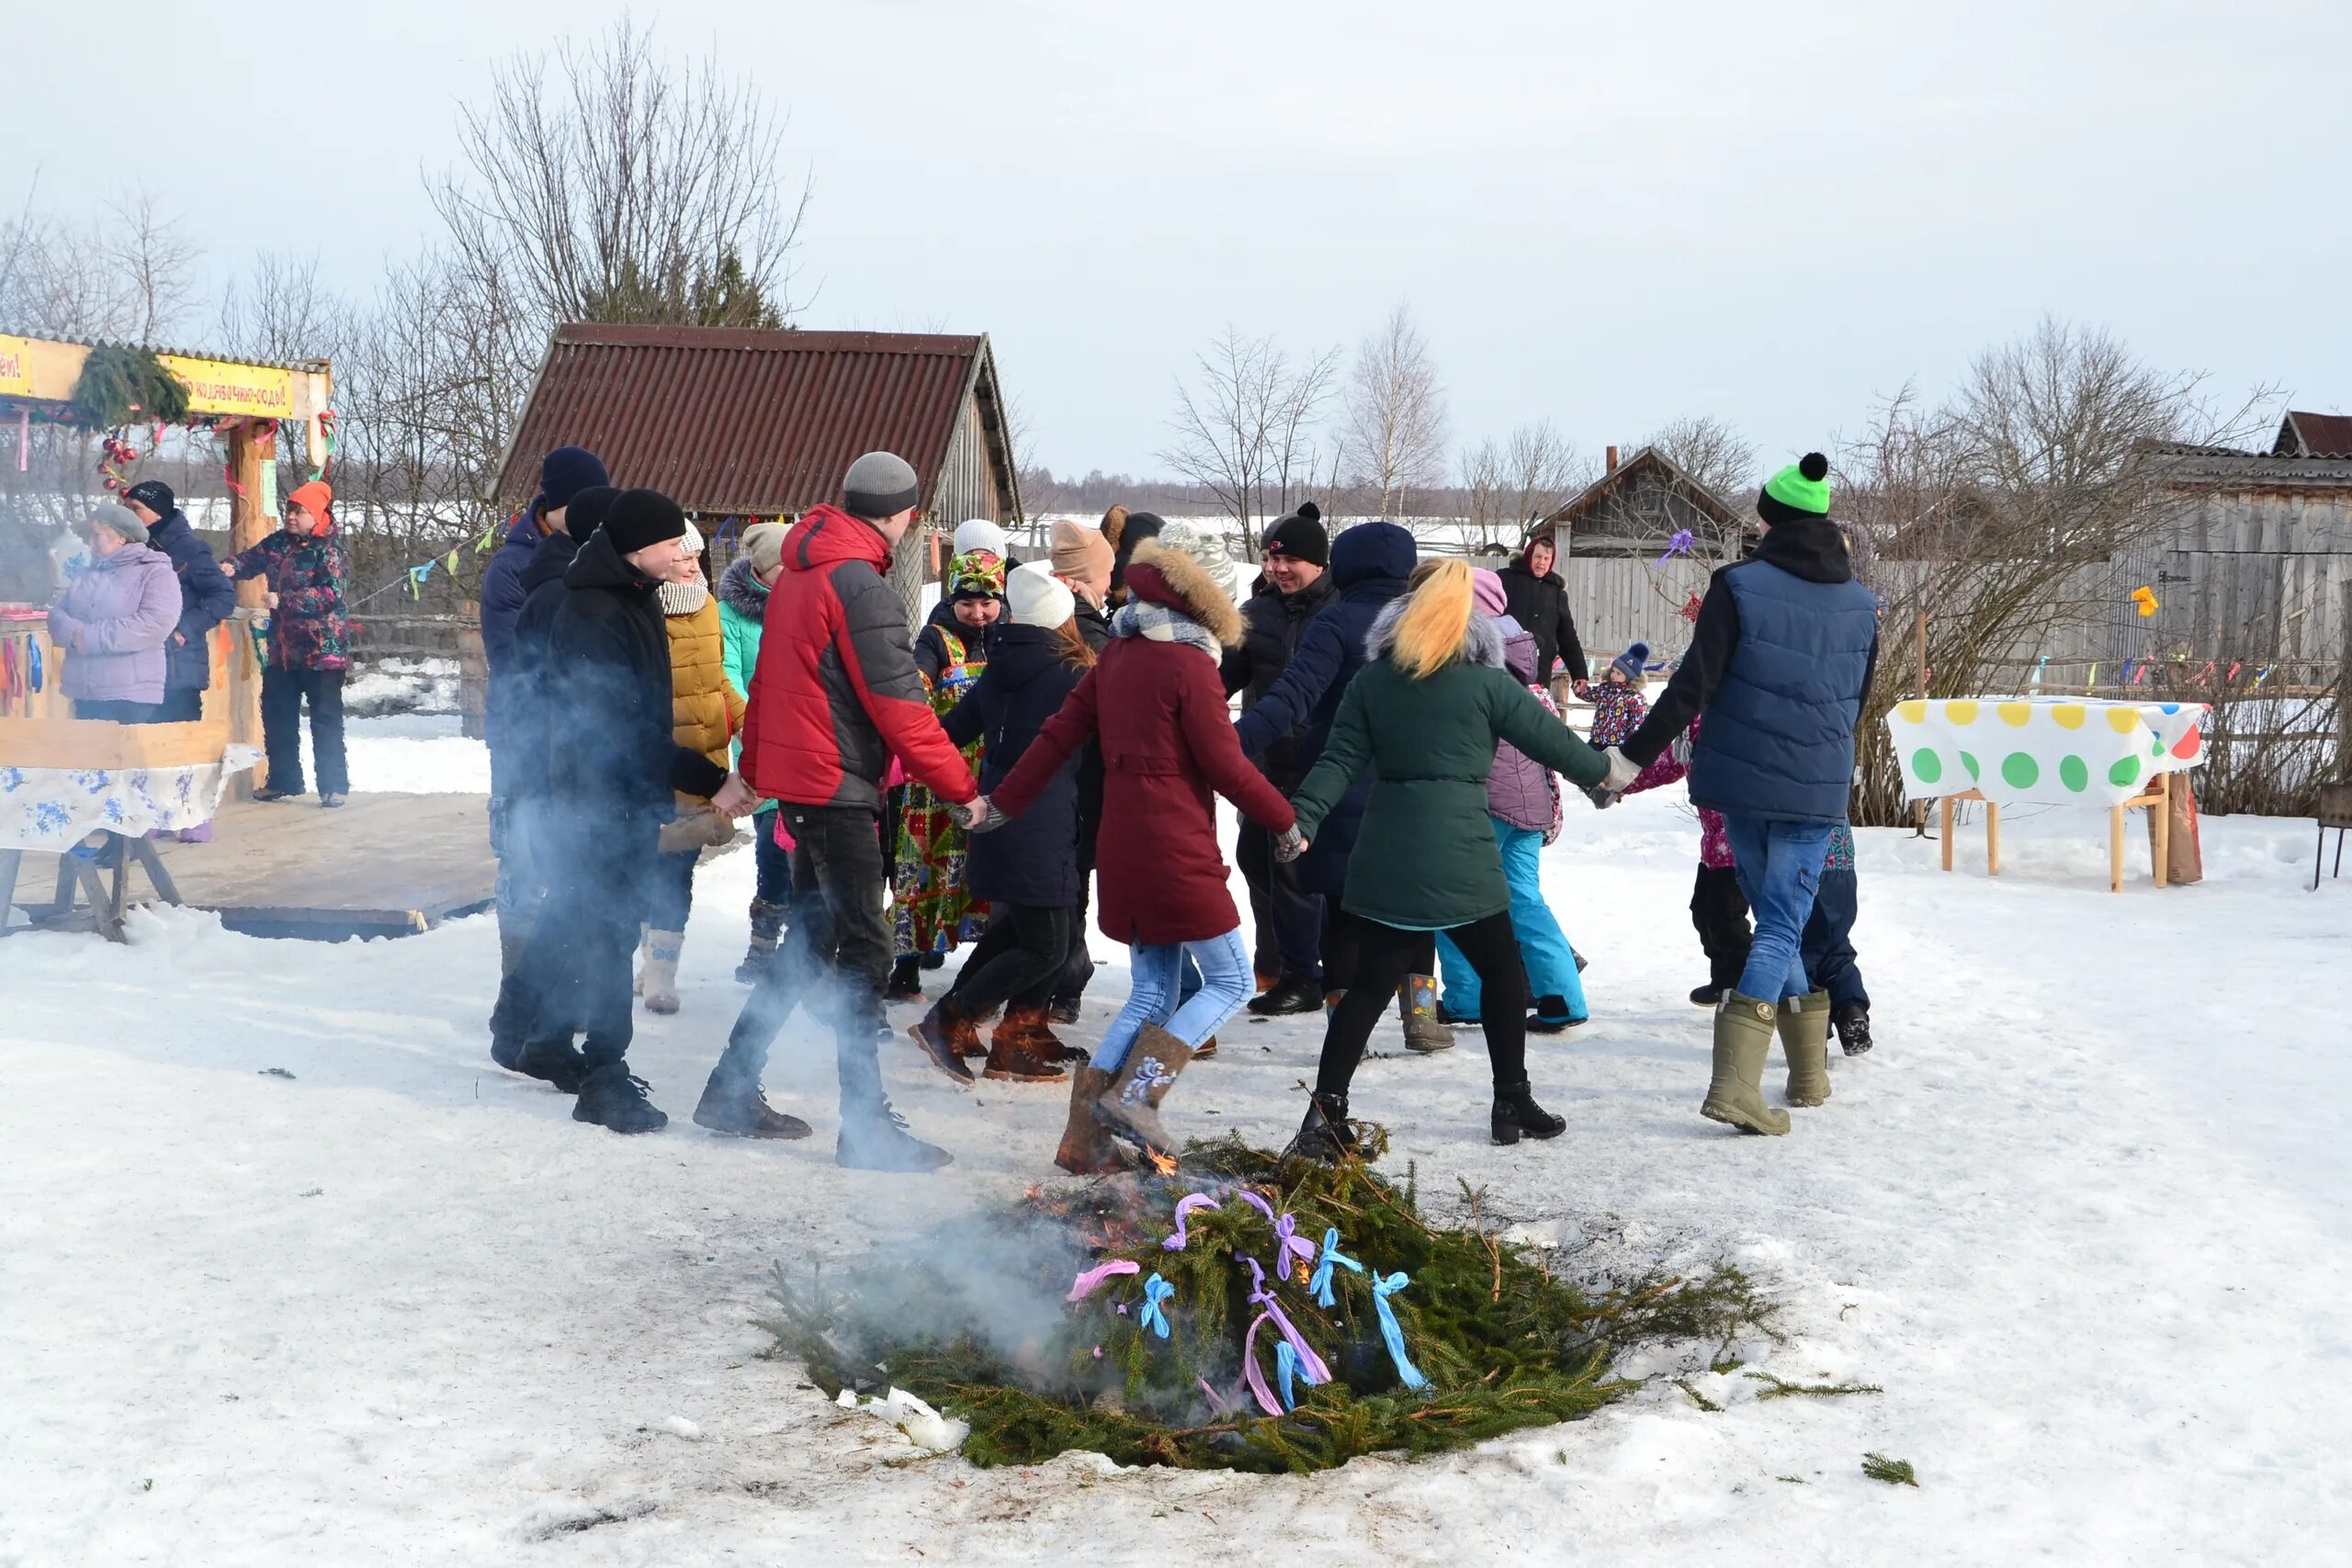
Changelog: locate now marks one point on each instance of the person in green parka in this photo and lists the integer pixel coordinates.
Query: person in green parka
(1425, 714)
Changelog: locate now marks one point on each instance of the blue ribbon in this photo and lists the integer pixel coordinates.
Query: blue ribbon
(1321, 1283)
(1382, 1289)
(1288, 1366)
(1156, 1292)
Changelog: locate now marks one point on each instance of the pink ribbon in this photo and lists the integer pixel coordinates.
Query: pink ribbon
(1184, 1206)
(1256, 1378)
(1086, 1283)
(1316, 1370)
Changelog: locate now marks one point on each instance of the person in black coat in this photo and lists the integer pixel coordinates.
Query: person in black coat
(1029, 869)
(207, 598)
(516, 817)
(612, 769)
(1288, 918)
(1536, 598)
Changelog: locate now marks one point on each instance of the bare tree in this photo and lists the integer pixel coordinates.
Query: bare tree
(156, 263)
(1396, 419)
(1712, 452)
(1486, 491)
(1294, 430)
(1244, 431)
(1543, 472)
(130, 275)
(280, 311)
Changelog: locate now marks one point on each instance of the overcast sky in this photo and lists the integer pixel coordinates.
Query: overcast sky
(1605, 216)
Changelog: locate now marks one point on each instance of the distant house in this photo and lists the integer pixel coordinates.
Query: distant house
(1640, 505)
(740, 425)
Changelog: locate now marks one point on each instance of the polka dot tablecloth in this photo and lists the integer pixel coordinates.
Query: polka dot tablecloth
(2042, 750)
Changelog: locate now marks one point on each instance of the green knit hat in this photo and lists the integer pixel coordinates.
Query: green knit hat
(1803, 486)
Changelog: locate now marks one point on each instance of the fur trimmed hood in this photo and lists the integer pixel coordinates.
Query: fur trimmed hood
(1482, 640)
(1159, 575)
(740, 590)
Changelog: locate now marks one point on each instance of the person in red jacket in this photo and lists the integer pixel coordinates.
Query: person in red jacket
(1155, 701)
(834, 696)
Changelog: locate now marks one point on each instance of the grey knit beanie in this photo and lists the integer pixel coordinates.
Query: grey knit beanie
(880, 484)
(121, 519)
(1204, 544)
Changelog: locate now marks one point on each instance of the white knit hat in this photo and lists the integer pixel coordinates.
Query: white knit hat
(1204, 544)
(1037, 597)
(685, 598)
(980, 533)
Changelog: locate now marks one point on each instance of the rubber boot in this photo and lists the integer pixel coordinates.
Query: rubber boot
(732, 1103)
(1016, 1052)
(1417, 1006)
(1130, 1105)
(1743, 1041)
(1516, 1115)
(939, 1034)
(768, 930)
(1086, 1148)
(1805, 1041)
(657, 982)
(1326, 1135)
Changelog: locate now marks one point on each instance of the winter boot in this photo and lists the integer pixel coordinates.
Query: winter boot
(615, 1097)
(1516, 1115)
(1287, 997)
(1206, 1049)
(1805, 1041)
(1853, 1021)
(1417, 1006)
(1020, 1052)
(554, 1062)
(1552, 1017)
(877, 1139)
(1710, 995)
(657, 982)
(1326, 1135)
(732, 1103)
(1064, 1010)
(1743, 1041)
(1086, 1148)
(1052, 1045)
(906, 982)
(1130, 1105)
(768, 930)
(938, 1033)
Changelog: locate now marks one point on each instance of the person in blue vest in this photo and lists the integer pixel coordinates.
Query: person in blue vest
(1779, 661)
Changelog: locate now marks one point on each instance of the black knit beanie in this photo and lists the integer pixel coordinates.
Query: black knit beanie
(1300, 537)
(641, 518)
(587, 510)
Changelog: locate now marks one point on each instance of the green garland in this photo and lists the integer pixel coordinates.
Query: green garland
(121, 385)
(1504, 1343)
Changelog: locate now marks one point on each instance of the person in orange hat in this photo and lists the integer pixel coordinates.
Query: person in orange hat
(310, 644)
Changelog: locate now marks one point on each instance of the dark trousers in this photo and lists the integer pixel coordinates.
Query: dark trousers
(835, 958)
(578, 956)
(1016, 960)
(1719, 913)
(1383, 957)
(1828, 945)
(117, 712)
(1343, 940)
(282, 692)
(180, 707)
(669, 890)
(771, 862)
(1283, 910)
(1079, 968)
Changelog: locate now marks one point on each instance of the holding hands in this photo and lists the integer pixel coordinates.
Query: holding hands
(977, 814)
(1290, 845)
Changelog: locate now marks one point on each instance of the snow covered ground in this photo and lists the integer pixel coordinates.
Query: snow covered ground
(2085, 1216)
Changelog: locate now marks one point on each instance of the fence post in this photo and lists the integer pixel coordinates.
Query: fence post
(473, 673)
(2343, 691)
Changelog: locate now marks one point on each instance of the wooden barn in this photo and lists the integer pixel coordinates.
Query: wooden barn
(736, 424)
(1638, 505)
(2255, 556)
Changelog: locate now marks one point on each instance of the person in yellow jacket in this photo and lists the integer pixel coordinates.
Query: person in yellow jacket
(705, 714)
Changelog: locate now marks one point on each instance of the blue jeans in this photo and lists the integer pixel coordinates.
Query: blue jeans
(1779, 870)
(1543, 946)
(1156, 993)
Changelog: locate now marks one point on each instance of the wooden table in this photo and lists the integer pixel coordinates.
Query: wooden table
(2157, 796)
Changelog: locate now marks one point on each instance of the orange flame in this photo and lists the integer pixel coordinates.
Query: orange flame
(1160, 1162)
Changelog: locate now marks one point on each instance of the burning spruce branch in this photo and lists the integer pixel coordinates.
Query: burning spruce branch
(1242, 1311)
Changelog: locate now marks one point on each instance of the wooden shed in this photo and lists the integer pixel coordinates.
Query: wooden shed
(1638, 505)
(740, 425)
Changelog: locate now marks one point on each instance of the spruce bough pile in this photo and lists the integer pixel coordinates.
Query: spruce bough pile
(1496, 1342)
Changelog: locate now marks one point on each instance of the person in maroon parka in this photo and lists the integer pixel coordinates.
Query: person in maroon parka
(1156, 704)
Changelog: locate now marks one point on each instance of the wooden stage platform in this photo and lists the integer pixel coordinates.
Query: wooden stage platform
(383, 865)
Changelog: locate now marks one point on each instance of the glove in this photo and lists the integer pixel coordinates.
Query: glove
(1622, 772)
(1680, 749)
(1291, 845)
(978, 815)
(1602, 798)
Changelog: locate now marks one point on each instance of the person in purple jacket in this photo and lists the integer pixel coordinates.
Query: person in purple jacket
(111, 623)
(1523, 799)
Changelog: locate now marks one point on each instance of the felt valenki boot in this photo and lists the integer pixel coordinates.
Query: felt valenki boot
(1020, 1050)
(1743, 1041)
(1086, 1147)
(1805, 1041)
(1417, 1006)
(1129, 1107)
(768, 930)
(657, 981)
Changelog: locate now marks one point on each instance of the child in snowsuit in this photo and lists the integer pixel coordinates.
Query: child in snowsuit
(933, 910)
(1828, 945)
(1618, 705)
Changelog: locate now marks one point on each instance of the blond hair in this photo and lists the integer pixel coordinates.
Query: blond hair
(1437, 614)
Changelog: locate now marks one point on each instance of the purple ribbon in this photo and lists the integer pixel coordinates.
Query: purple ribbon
(1287, 1241)
(1250, 1372)
(1086, 1283)
(1678, 545)
(1262, 1206)
(1316, 1370)
(1184, 1206)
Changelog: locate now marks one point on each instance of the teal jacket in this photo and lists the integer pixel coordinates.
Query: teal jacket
(742, 611)
(1426, 858)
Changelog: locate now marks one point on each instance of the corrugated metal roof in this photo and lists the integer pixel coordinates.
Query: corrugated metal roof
(2314, 436)
(728, 420)
(2184, 464)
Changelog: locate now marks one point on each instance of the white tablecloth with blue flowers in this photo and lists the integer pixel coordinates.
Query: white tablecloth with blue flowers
(56, 808)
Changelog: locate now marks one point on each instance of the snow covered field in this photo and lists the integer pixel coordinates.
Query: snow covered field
(2085, 1216)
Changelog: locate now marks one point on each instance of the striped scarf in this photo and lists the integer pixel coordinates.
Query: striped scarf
(1139, 617)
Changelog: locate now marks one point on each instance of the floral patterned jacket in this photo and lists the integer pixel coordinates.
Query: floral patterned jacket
(309, 629)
